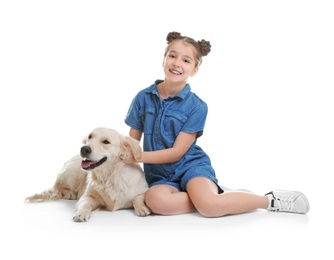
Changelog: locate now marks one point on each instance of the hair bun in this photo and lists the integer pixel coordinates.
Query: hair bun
(172, 36)
(204, 46)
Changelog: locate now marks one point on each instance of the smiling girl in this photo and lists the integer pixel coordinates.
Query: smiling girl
(171, 118)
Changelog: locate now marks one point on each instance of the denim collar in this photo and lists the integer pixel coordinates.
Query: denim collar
(182, 94)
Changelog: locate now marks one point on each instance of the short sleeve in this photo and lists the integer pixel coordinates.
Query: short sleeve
(133, 118)
(196, 120)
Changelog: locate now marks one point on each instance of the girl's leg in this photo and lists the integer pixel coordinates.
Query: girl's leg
(204, 195)
(167, 200)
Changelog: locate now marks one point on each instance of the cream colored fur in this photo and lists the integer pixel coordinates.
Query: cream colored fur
(111, 186)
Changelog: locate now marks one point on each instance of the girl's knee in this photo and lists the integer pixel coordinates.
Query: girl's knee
(154, 201)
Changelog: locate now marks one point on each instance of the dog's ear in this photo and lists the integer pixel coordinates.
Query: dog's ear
(130, 147)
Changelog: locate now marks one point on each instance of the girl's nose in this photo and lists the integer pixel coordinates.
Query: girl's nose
(176, 63)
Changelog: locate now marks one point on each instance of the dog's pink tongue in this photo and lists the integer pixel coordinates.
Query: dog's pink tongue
(86, 164)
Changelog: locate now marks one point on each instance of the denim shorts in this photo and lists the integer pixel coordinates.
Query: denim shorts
(181, 176)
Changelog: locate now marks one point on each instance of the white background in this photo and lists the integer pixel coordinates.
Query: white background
(67, 67)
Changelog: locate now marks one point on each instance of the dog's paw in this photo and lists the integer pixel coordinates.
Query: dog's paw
(142, 211)
(81, 216)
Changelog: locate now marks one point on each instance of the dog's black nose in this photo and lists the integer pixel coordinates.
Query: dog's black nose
(85, 151)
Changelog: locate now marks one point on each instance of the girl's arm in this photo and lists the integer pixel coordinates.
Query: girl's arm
(170, 155)
(135, 134)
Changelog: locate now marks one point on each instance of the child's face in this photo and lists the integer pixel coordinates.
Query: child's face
(180, 61)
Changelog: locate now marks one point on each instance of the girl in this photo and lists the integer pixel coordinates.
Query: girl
(178, 171)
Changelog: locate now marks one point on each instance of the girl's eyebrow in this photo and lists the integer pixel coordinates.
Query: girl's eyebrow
(185, 56)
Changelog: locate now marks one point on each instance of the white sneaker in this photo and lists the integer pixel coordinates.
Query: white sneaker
(288, 201)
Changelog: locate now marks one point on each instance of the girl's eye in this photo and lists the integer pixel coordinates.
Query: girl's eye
(106, 142)
(186, 61)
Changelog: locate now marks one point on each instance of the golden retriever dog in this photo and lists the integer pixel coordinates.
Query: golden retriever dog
(99, 179)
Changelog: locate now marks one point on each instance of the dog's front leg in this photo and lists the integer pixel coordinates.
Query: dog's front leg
(140, 206)
(84, 208)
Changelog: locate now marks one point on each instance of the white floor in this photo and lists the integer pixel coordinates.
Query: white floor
(46, 230)
(67, 67)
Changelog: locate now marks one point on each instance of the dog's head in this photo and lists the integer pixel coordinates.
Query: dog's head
(105, 144)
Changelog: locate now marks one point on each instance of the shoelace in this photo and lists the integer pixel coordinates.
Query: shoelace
(284, 204)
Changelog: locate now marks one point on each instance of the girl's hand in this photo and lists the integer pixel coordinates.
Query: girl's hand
(129, 159)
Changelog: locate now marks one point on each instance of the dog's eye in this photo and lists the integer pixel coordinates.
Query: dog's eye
(90, 136)
(105, 142)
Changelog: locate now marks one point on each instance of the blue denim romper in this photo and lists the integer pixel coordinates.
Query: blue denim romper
(161, 121)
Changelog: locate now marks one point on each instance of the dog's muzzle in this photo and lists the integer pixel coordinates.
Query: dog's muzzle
(87, 164)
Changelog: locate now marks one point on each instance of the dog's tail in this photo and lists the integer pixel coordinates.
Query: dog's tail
(51, 194)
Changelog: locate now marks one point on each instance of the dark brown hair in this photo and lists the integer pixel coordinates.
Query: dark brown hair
(202, 47)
